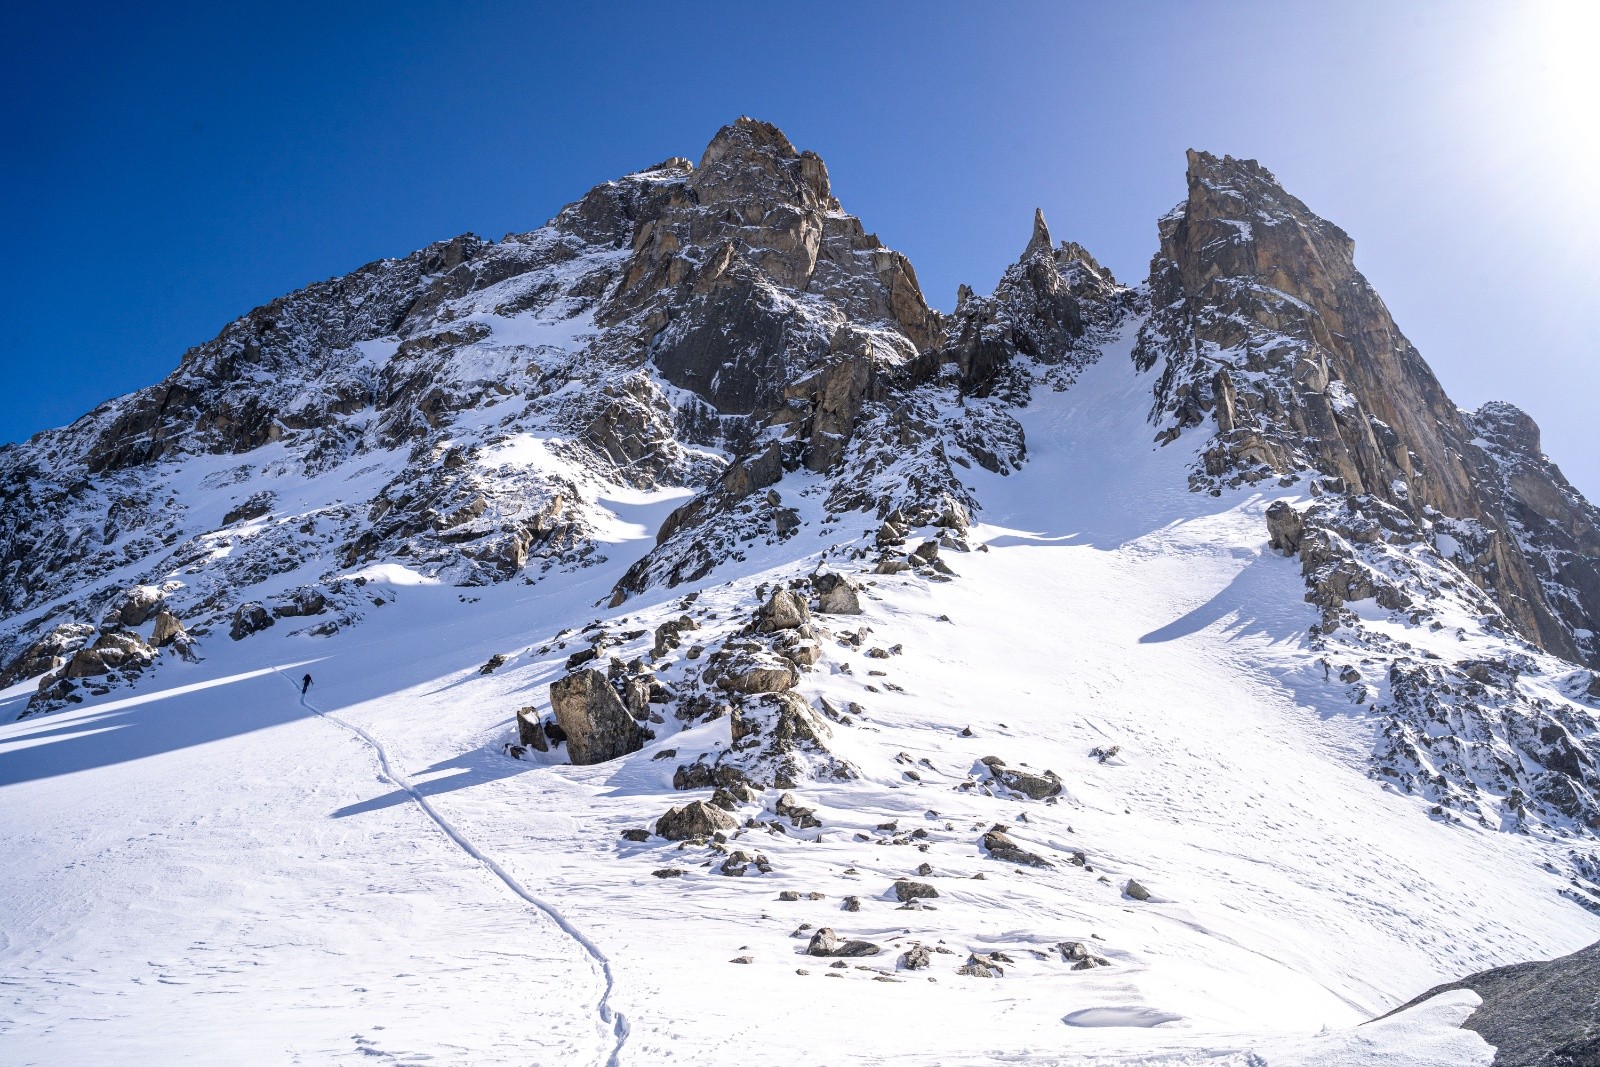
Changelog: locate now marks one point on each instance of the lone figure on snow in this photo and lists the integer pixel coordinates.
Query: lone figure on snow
(305, 683)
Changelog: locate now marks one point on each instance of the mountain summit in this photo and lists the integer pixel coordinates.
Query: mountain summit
(717, 617)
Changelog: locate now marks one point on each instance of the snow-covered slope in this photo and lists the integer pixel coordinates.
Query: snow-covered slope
(959, 662)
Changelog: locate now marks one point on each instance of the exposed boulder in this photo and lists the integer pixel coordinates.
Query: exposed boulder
(905, 890)
(249, 618)
(1284, 527)
(530, 729)
(168, 629)
(836, 594)
(1036, 786)
(1136, 891)
(598, 725)
(784, 610)
(1000, 845)
(827, 943)
(694, 819)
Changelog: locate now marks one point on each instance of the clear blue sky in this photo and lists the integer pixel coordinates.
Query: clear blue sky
(166, 167)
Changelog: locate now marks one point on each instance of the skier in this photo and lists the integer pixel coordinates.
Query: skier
(305, 683)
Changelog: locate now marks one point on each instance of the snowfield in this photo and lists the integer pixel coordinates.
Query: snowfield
(210, 870)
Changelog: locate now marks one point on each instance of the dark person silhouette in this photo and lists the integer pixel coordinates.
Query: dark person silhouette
(305, 683)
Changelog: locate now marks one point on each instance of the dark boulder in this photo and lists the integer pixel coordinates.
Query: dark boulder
(827, 943)
(597, 723)
(695, 819)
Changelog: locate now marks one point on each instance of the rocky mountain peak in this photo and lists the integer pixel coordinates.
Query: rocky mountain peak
(750, 159)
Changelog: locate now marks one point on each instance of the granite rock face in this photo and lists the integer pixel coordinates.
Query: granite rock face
(1270, 339)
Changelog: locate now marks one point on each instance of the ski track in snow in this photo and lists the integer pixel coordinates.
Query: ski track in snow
(615, 1021)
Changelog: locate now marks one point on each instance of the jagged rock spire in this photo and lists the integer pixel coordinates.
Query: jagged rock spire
(1040, 241)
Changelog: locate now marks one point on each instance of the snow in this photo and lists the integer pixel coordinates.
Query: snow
(209, 863)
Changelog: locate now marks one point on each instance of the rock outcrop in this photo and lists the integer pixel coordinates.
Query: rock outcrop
(1543, 1014)
(597, 724)
(1268, 334)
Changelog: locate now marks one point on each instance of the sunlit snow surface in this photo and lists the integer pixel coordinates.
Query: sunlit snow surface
(207, 871)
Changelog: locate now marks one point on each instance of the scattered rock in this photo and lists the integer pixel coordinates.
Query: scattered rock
(495, 662)
(1105, 753)
(905, 890)
(915, 958)
(742, 959)
(248, 619)
(635, 834)
(1136, 891)
(695, 819)
(981, 967)
(668, 872)
(851, 904)
(1079, 955)
(827, 943)
(1002, 847)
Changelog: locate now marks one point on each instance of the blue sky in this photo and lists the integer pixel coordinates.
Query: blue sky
(166, 167)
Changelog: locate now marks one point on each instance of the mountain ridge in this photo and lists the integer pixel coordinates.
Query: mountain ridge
(757, 537)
